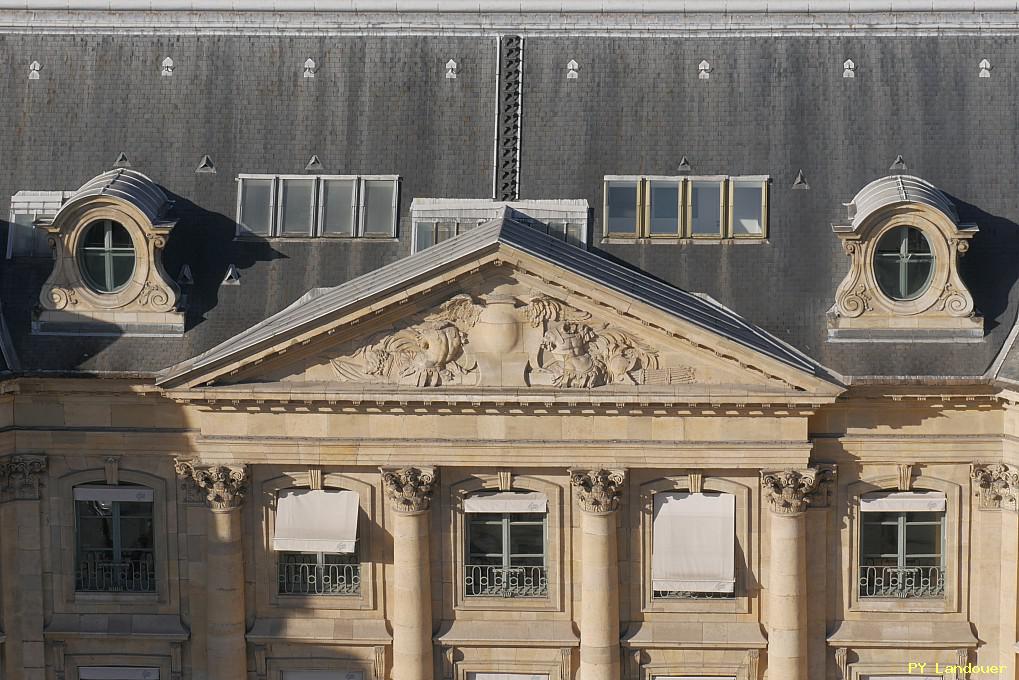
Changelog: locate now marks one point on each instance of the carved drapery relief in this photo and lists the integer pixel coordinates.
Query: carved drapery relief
(225, 485)
(569, 351)
(789, 492)
(598, 490)
(21, 477)
(427, 353)
(409, 489)
(997, 486)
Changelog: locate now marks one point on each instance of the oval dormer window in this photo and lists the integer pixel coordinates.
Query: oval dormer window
(107, 256)
(903, 263)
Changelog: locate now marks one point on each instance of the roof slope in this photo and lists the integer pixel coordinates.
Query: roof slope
(322, 302)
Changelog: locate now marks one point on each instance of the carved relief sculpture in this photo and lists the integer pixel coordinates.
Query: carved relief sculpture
(598, 490)
(997, 486)
(789, 492)
(225, 485)
(20, 476)
(425, 354)
(409, 489)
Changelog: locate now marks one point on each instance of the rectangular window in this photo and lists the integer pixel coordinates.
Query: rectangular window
(621, 208)
(315, 539)
(506, 552)
(705, 208)
(317, 205)
(902, 549)
(693, 545)
(748, 205)
(117, 673)
(664, 219)
(429, 233)
(322, 675)
(27, 207)
(114, 539)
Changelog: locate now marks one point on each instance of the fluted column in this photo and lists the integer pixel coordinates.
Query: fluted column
(226, 486)
(409, 492)
(597, 493)
(787, 494)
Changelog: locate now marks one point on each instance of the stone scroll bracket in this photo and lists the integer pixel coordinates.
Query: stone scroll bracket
(790, 492)
(225, 485)
(21, 477)
(598, 490)
(408, 489)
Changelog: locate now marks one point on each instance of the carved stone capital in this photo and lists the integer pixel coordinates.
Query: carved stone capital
(409, 489)
(598, 490)
(997, 486)
(225, 485)
(789, 492)
(21, 476)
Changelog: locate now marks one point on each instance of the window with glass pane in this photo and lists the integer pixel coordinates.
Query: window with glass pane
(256, 205)
(747, 208)
(902, 554)
(114, 546)
(621, 207)
(664, 208)
(297, 197)
(337, 207)
(903, 263)
(107, 256)
(303, 573)
(705, 208)
(506, 555)
(379, 207)
(26, 240)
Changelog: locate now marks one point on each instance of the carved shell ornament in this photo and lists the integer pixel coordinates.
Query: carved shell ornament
(429, 353)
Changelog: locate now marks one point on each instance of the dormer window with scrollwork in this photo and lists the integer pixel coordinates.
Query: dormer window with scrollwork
(108, 276)
(904, 241)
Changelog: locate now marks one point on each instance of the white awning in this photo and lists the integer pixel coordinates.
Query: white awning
(693, 547)
(903, 501)
(309, 520)
(322, 675)
(506, 501)
(902, 677)
(694, 677)
(108, 494)
(117, 672)
(505, 676)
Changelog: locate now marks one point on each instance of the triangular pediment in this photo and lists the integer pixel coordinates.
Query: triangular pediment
(513, 313)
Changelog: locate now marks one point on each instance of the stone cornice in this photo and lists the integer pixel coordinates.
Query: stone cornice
(409, 489)
(21, 477)
(225, 485)
(598, 491)
(996, 486)
(789, 492)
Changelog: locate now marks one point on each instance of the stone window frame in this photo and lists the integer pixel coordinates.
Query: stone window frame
(556, 519)
(642, 232)
(73, 662)
(956, 559)
(553, 669)
(276, 666)
(665, 669)
(747, 546)
(113, 602)
(266, 564)
(862, 671)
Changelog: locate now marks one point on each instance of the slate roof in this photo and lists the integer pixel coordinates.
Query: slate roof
(321, 303)
(381, 104)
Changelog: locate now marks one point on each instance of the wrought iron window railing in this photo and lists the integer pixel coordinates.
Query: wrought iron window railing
(494, 581)
(97, 572)
(902, 582)
(302, 574)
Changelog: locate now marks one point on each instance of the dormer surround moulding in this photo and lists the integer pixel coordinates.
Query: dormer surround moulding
(108, 276)
(929, 302)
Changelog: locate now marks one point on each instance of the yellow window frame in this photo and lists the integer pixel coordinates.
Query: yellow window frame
(730, 216)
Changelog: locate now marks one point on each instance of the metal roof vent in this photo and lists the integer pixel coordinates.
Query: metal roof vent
(800, 182)
(167, 67)
(314, 165)
(985, 68)
(309, 68)
(122, 161)
(704, 70)
(232, 278)
(684, 167)
(572, 70)
(206, 166)
(451, 69)
(898, 163)
(33, 70)
(849, 69)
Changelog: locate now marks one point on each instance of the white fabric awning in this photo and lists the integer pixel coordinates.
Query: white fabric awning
(505, 676)
(902, 677)
(693, 546)
(117, 672)
(695, 677)
(310, 520)
(903, 501)
(506, 501)
(322, 675)
(108, 494)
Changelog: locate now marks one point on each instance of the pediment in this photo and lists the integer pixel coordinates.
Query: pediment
(507, 322)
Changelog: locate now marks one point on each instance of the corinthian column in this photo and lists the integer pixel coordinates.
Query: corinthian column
(226, 486)
(787, 494)
(597, 494)
(409, 491)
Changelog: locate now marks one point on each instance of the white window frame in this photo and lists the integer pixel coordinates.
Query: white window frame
(55, 197)
(318, 206)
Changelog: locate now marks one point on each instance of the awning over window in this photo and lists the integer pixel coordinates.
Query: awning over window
(310, 520)
(506, 501)
(693, 547)
(322, 675)
(505, 676)
(117, 672)
(903, 501)
(108, 494)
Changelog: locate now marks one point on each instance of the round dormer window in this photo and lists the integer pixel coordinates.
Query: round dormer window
(107, 256)
(903, 263)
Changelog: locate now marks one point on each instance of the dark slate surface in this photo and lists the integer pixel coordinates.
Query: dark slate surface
(382, 105)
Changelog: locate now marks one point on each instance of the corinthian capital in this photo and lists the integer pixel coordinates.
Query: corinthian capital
(225, 485)
(21, 476)
(598, 490)
(789, 492)
(409, 489)
(997, 485)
